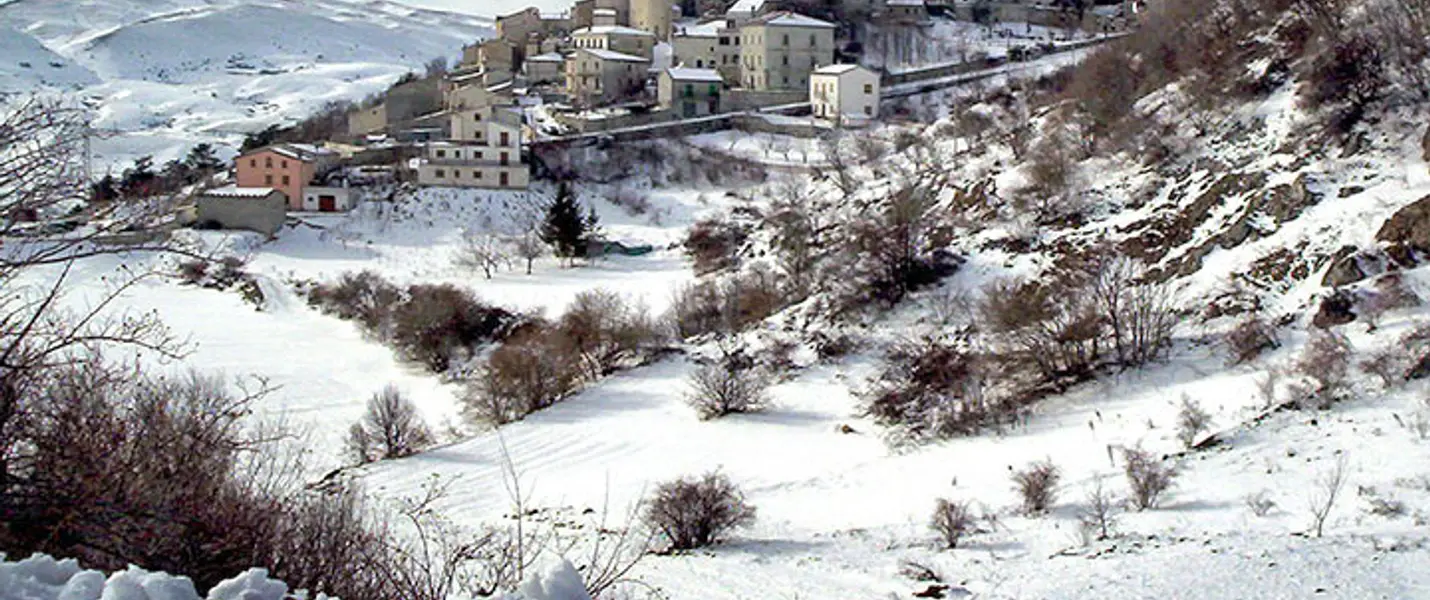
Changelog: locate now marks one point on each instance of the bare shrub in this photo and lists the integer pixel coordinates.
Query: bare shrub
(1137, 313)
(1327, 490)
(714, 244)
(898, 245)
(193, 272)
(1347, 76)
(1099, 517)
(726, 305)
(1388, 364)
(693, 512)
(952, 521)
(438, 324)
(527, 373)
(1192, 422)
(391, 428)
(1260, 503)
(1325, 365)
(1147, 477)
(1037, 485)
(1051, 327)
(732, 384)
(364, 297)
(604, 329)
(933, 388)
(1249, 338)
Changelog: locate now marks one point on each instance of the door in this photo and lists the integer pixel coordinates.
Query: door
(505, 181)
(327, 203)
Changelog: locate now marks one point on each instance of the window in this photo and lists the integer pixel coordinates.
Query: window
(868, 88)
(477, 155)
(441, 154)
(724, 41)
(786, 39)
(689, 90)
(505, 138)
(786, 79)
(268, 162)
(285, 164)
(785, 60)
(477, 174)
(869, 110)
(811, 41)
(253, 162)
(285, 180)
(440, 173)
(503, 159)
(268, 180)
(477, 117)
(456, 174)
(504, 180)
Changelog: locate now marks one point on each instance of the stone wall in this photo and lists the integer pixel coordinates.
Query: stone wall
(265, 215)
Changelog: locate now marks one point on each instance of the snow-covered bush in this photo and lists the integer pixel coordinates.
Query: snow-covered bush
(364, 297)
(731, 384)
(41, 577)
(1249, 338)
(1192, 422)
(1037, 486)
(1147, 477)
(391, 428)
(1324, 366)
(727, 304)
(934, 388)
(693, 512)
(526, 373)
(952, 521)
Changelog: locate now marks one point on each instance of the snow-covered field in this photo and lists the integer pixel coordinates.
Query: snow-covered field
(163, 75)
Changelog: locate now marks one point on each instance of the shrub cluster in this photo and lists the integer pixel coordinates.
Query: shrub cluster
(436, 325)
(726, 304)
(1147, 477)
(934, 388)
(391, 428)
(714, 244)
(544, 362)
(1037, 486)
(731, 384)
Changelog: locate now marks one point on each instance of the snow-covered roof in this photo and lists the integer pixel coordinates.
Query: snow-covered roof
(790, 19)
(303, 152)
(746, 6)
(688, 74)
(612, 30)
(836, 69)
(906, 3)
(548, 57)
(612, 55)
(604, 12)
(240, 192)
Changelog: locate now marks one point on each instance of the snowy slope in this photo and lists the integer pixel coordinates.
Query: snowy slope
(25, 63)
(164, 75)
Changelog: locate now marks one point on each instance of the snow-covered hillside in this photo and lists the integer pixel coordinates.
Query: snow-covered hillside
(164, 75)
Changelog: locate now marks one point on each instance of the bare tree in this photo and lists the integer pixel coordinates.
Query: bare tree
(1147, 477)
(694, 512)
(1328, 490)
(483, 251)
(529, 247)
(391, 428)
(732, 384)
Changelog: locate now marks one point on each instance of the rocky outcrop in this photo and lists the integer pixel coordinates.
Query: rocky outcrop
(1406, 234)
(1425, 144)
(1336, 309)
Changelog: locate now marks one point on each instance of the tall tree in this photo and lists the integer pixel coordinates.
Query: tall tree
(565, 230)
(202, 161)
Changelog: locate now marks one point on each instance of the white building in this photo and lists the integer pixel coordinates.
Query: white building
(485, 152)
(778, 51)
(844, 93)
(690, 92)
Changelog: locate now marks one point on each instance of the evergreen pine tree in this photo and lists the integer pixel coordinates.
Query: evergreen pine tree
(564, 229)
(202, 162)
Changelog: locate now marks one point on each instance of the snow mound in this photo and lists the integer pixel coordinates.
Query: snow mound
(559, 581)
(42, 577)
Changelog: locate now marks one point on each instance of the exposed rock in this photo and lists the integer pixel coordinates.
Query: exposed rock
(1351, 265)
(1173, 228)
(1425, 144)
(1407, 232)
(1336, 309)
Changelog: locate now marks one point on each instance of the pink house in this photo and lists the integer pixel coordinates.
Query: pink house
(289, 168)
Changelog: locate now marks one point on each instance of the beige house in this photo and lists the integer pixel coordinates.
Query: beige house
(616, 38)
(696, 47)
(844, 93)
(596, 77)
(690, 92)
(727, 52)
(905, 12)
(485, 152)
(400, 105)
(518, 26)
(778, 51)
(654, 16)
(545, 68)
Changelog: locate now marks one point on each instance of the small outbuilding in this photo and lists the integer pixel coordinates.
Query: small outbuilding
(690, 92)
(259, 209)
